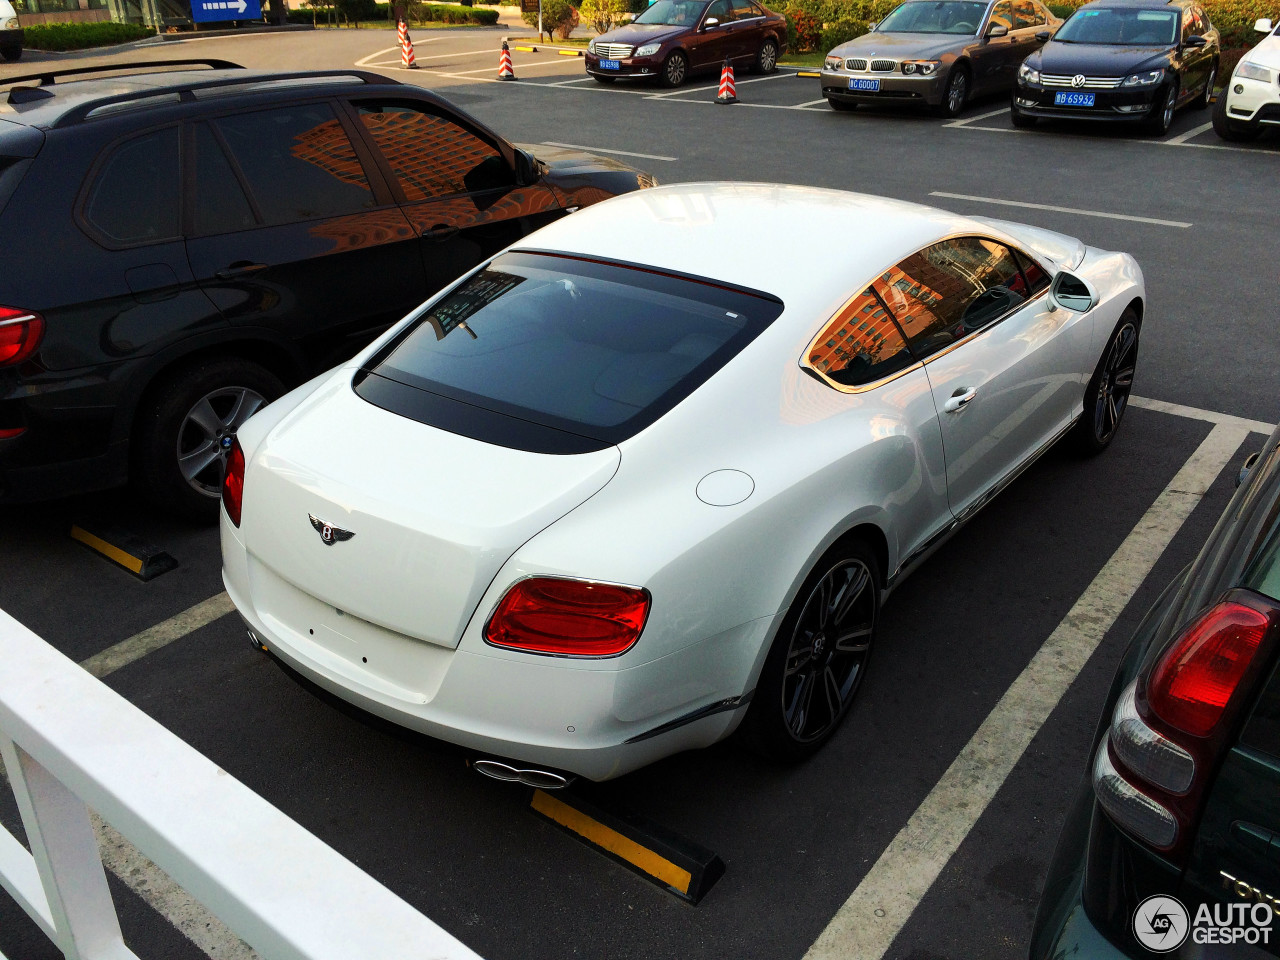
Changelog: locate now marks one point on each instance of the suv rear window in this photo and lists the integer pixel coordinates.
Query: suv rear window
(558, 354)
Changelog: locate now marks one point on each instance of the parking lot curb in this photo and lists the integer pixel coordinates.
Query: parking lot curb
(679, 865)
(144, 561)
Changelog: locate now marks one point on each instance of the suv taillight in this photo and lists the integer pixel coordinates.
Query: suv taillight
(1171, 727)
(233, 483)
(568, 618)
(20, 334)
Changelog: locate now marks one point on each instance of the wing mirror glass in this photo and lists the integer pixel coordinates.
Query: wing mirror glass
(1263, 25)
(1073, 293)
(997, 30)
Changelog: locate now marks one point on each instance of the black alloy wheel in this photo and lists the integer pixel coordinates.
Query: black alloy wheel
(1233, 131)
(1107, 395)
(1202, 101)
(818, 658)
(767, 57)
(186, 430)
(1160, 119)
(956, 93)
(674, 69)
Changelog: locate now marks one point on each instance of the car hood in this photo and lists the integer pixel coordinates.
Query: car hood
(1097, 60)
(566, 162)
(900, 46)
(1266, 54)
(638, 34)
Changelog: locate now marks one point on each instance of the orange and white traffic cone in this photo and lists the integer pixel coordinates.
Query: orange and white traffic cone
(406, 46)
(505, 70)
(727, 93)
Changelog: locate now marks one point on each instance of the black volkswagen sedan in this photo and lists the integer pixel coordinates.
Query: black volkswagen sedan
(1121, 60)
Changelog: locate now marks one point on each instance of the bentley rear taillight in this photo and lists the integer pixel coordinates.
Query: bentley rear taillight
(568, 618)
(20, 335)
(1171, 727)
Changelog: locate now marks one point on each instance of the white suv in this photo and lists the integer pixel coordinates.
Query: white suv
(1252, 95)
(10, 32)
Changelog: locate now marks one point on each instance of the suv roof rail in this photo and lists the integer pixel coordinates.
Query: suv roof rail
(48, 77)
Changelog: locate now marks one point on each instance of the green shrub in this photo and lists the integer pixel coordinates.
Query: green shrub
(558, 17)
(451, 13)
(604, 15)
(80, 36)
(841, 31)
(804, 30)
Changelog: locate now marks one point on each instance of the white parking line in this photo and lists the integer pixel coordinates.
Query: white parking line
(1194, 132)
(1045, 206)
(866, 926)
(621, 153)
(981, 116)
(778, 75)
(494, 68)
(162, 634)
(1195, 413)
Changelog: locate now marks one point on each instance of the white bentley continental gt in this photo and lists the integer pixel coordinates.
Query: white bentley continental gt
(628, 487)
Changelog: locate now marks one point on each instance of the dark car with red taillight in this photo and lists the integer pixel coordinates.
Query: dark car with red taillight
(1173, 842)
(674, 39)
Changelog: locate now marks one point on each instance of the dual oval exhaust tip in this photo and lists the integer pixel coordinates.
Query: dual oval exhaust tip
(539, 779)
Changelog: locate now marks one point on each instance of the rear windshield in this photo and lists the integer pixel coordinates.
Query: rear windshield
(558, 354)
(1121, 27)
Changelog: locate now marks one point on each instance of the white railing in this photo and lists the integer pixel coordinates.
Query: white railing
(70, 743)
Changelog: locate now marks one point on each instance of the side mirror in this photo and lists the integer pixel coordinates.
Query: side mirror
(528, 169)
(1073, 293)
(1195, 42)
(996, 30)
(1243, 475)
(710, 22)
(1043, 36)
(872, 26)
(1263, 25)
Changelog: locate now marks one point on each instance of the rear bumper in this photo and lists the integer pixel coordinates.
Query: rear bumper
(570, 715)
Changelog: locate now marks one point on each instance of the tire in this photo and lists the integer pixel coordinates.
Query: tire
(1160, 119)
(810, 679)
(844, 106)
(194, 413)
(767, 56)
(600, 79)
(675, 69)
(1107, 396)
(1019, 119)
(1202, 101)
(956, 93)
(1232, 130)
(11, 53)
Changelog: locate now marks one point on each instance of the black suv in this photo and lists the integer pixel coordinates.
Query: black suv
(210, 237)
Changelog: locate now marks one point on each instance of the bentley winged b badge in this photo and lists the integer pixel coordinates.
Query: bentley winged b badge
(328, 532)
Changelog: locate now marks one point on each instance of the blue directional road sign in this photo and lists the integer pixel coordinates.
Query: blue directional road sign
(209, 11)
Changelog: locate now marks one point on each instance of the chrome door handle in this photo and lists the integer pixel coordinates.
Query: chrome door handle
(960, 399)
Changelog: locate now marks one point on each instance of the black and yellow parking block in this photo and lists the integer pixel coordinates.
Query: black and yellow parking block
(140, 558)
(808, 73)
(569, 53)
(671, 861)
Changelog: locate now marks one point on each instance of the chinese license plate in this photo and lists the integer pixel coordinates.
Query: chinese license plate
(857, 83)
(610, 65)
(1073, 99)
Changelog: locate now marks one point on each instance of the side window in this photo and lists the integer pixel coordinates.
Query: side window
(1024, 15)
(745, 10)
(720, 10)
(951, 289)
(432, 156)
(136, 195)
(298, 162)
(1036, 277)
(220, 201)
(861, 345)
(1002, 14)
(1203, 23)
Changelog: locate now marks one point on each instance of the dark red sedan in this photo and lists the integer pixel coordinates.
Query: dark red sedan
(674, 38)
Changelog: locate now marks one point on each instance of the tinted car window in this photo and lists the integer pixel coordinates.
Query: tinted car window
(861, 345)
(949, 290)
(1002, 14)
(220, 201)
(431, 155)
(721, 10)
(1035, 275)
(744, 10)
(1025, 14)
(298, 162)
(593, 349)
(135, 197)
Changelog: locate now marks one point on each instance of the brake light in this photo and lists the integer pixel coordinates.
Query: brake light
(568, 618)
(1171, 727)
(233, 483)
(20, 334)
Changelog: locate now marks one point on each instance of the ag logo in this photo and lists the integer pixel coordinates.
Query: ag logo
(1078, 80)
(1161, 923)
(328, 532)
